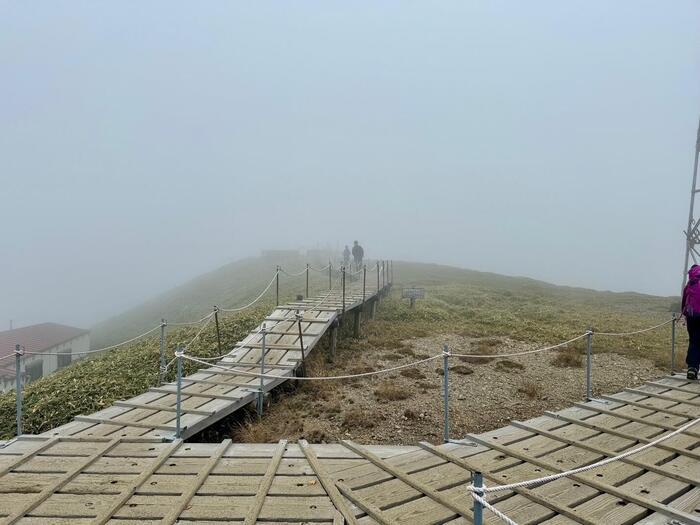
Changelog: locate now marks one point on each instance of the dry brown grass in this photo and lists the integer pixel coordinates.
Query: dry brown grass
(461, 369)
(412, 373)
(357, 418)
(532, 389)
(506, 365)
(387, 391)
(568, 358)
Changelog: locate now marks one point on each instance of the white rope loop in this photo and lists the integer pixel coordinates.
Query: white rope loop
(526, 352)
(487, 505)
(622, 334)
(238, 309)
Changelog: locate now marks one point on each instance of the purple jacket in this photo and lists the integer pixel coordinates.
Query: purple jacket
(690, 305)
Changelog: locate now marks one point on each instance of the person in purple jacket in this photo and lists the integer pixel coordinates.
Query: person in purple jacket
(690, 308)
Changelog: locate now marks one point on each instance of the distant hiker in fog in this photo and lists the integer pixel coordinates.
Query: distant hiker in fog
(690, 308)
(357, 254)
(346, 256)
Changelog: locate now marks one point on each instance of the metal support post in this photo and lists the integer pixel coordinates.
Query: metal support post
(378, 277)
(364, 284)
(161, 375)
(673, 344)
(19, 353)
(356, 323)
(446, 393)
(261, 391)
(589, 364)
(343, 277)
(373, 308)
(277, 287)
(307, 280)
(178, 393)
(334, 340)
(299, 316)
(218, 333)
(478, 482)
(383, 274)
(330, 275)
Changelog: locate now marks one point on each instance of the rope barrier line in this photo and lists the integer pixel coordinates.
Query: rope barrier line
(285, 272)
(320, 269)
(525, 352)
(190, 323)
(585, 468)
(98, 349)
(620, 334)
(238, 309)
(493, 509)
(309, 378)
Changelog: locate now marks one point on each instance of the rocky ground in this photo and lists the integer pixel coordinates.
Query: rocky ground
(406, 406)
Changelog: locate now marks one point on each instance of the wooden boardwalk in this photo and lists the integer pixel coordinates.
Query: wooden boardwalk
(118, 479)
(212, 393)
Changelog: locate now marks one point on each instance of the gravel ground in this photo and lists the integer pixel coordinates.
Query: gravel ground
(394, 408)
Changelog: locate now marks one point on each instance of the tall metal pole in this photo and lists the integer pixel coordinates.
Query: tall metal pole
(299, 317)
(307, 280)
(342, 270)
(589, 364)
(178, 393)
(364, 283)
(446, 392)
(478, 482)
(161, 375)
(690, 242)
(378, 277)
(330, 275)
(261, 392)
(277, 287)
(673, 344)
(218, 333)
(383, 274)
(19, 353)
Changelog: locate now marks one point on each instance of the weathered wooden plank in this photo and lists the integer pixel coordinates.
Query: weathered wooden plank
(371, 510)
(163, 408)
(327, 483)
(254, 511)
(116, 422)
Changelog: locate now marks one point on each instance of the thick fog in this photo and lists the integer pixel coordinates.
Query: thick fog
(143, 143)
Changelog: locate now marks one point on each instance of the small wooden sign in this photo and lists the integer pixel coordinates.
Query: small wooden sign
(413, 294)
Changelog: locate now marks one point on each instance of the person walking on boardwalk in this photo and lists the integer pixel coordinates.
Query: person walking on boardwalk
(357, 254)
(346, 256)
(690, 308)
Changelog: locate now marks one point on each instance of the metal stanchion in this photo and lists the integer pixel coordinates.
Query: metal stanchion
(343, 276)
(478, 482)
(589, 364)
(261, 392)
(178, 393)
(330, 275)
(277, 287)
(307, 280)
(446, 392)
(364, 284)
(378, 278)
(161, 375)
(673, 344)
(19, 353)
(299, 316)
(218, 333)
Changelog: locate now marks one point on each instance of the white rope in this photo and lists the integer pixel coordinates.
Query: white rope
(189, 323)
(285, 272)
(493, 509)
(320, 269)
(254, 300)
(199, 333)
(525, 352)
(620, 334)
(99, 349)
(309, 378)
(585, 468)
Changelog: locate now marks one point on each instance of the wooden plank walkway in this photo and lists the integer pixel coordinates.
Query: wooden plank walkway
(124, 480)
(212, 393)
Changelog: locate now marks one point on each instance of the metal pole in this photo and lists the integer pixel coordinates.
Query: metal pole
(299, 317)
(377, 277)
(261, 392)
(178, 393)
(330, 275)
(343, 274)
(364, 284)
(589, 364)
(277, 287)
(673, 344)
(693, 190)
(218, 333)
(19, 353)
(478, 482)
(161, 375)
(383, 274)
(307, 280)
(446, 393)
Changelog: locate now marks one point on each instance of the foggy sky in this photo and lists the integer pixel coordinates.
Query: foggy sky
(142, 143)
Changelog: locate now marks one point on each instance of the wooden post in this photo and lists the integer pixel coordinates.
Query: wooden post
(334, 340)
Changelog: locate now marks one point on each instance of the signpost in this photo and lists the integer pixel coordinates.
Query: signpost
(413, 294)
